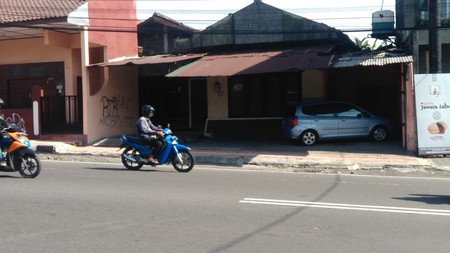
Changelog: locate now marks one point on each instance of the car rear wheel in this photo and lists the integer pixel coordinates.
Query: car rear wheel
(309, 137)
(379, 133)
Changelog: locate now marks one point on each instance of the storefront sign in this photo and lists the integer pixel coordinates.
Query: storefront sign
(433, 113)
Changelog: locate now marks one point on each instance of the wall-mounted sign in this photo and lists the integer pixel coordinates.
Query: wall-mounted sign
(433, 113)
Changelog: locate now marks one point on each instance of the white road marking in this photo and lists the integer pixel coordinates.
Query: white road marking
(386, 209)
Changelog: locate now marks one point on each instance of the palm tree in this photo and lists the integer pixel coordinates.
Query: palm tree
(363, 44)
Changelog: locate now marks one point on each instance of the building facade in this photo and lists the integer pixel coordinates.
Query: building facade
(44, 75)
(238, 77)
(415, 29)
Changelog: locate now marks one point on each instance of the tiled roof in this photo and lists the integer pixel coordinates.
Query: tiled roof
(12, 11)
(371, 59)
(165, 20)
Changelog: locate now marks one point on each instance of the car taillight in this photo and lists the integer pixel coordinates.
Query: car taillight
(294, 122)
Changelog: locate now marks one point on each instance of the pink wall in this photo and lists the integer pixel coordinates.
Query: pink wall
(116, 25)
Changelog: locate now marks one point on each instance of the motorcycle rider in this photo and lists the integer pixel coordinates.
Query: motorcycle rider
(3, 126)
(150, 133)
(3, 123)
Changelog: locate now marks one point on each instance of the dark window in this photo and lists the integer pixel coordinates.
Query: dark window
(322, 110)
(255, 96)
(345, 110)
(274, 100)
(17, 82)
(293, 93)
(309, 110)
(445, 58)
(37, 70)
(18, 95)
(422, 11)
(263, 95)
(17, 71)
(423, 59)
(237, 98)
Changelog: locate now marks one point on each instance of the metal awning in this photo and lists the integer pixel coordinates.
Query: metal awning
(149, 60)
(256, 63)
(371, 59)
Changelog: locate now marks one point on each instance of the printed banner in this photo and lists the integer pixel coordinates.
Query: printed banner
(433, 113)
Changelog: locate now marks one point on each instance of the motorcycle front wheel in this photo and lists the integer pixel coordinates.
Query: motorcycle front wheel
(130, 159)
(28, 165)
(183, 162)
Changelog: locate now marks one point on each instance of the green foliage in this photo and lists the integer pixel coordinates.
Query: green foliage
(363, 44)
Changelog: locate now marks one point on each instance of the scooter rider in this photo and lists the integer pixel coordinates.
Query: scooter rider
(3, 123)
(149, 132)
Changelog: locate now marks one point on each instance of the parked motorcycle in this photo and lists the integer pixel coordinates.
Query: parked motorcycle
(137, 151)
(16, 154)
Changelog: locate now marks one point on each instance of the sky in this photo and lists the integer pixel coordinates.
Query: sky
(345, 15)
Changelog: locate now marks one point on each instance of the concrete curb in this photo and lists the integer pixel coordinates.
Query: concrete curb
(314, 163)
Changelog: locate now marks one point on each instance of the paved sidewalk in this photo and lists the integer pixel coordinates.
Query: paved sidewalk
(347, 156)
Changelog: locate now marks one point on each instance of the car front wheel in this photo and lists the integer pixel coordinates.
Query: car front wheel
(309, 137)
(379, 133)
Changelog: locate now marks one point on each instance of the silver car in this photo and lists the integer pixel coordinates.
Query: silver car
(334, 120)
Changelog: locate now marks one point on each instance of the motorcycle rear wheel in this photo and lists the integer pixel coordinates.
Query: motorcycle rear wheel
(186, 164)
(130, 165)
(28, 165)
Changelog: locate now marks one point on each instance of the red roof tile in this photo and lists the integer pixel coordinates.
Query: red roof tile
(12, 11)
(165, 20)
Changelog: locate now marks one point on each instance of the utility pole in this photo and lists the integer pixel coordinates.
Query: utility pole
(434, 17)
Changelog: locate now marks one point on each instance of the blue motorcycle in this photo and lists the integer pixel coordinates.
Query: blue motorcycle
(137, 151)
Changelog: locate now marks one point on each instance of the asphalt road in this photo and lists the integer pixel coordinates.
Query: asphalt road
(87, 207)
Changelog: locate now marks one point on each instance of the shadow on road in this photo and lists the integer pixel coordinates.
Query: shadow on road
(122, 169)
(429, 199)
(8, 176)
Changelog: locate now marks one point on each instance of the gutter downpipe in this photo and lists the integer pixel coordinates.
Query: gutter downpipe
(85, 75)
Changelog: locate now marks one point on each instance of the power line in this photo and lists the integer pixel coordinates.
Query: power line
(210, 32)
(205, 21)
